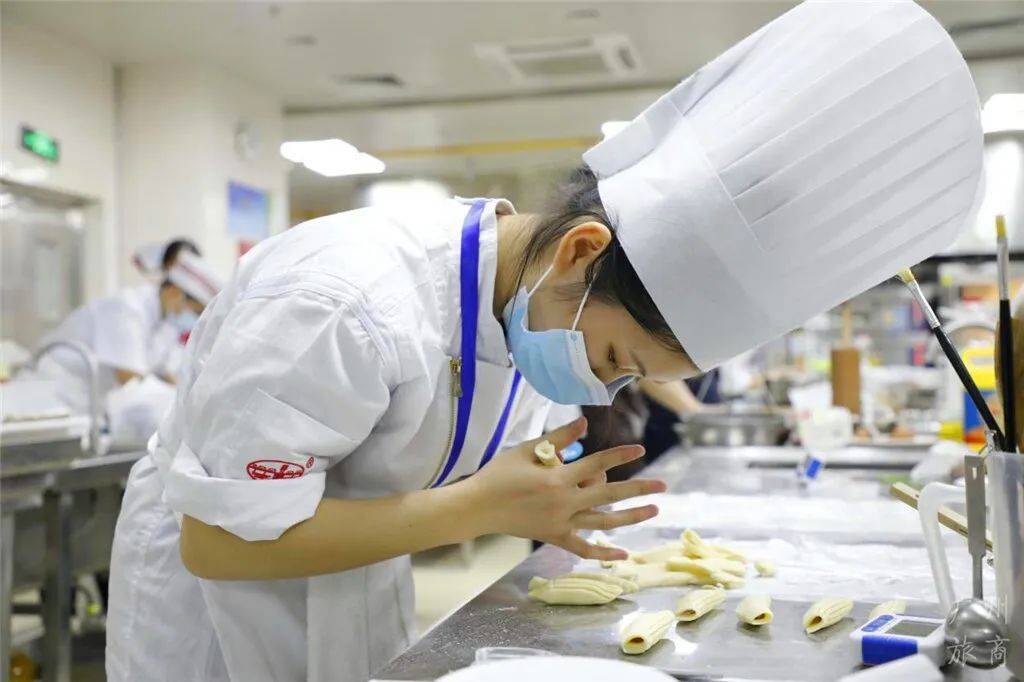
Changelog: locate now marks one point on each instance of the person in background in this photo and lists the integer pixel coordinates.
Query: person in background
(153, 261)
(122, 330)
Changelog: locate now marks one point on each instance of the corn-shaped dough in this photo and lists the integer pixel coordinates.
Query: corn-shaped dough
(891, 606)
(659, 554)
(720, 563)
(755, 609)
(826, 612)
(654, 575)
(646, 630)
(546, 455)
(709, 571)
(765, 567)
(628, 586)
(574, 591)
(696, 603)
(727, 552)
(695, 547)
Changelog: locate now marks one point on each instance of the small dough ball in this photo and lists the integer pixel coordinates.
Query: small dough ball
(765, 567)
(546, 454)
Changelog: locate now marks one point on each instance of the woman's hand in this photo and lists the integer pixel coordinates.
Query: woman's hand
(517, 495)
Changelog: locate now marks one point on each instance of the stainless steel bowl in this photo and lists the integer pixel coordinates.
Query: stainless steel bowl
(732, 429)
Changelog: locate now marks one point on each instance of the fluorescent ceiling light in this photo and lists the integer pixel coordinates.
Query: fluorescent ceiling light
(609, 128)
(413, 193)
(331, 158)
(1003, 112)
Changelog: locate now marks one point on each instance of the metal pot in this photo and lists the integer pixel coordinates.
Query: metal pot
(732, 428)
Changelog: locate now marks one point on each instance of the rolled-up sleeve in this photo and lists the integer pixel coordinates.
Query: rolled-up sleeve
(290, 385)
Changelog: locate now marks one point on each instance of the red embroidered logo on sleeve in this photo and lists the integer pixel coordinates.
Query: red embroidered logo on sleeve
(270, 469)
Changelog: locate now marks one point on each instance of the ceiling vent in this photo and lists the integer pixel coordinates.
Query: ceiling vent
(592, 57)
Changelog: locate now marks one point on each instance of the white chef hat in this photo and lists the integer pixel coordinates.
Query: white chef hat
(832, 148)
(148, 258)
(195, 277)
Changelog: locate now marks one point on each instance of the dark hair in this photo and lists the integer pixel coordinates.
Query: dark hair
(175, 247)
(611, 276)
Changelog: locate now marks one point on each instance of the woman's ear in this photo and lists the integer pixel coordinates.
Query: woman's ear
(581, 245)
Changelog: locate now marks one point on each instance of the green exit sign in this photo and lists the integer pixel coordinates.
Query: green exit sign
(40, 144)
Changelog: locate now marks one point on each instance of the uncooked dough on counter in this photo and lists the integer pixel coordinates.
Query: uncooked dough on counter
(646, 630)
(765, 568)
(697, 603)
(756, 609)
(628, 586)
(659, 554)
(694, 546)
(710, 571)
(653, 575)
(573, 590)
(826, 612)
(546, 455)
(892, 606)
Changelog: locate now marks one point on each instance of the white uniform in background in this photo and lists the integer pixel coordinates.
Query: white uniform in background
(325, 365)
(118, 329)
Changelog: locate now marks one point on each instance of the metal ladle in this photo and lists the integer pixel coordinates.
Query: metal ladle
(975, 630)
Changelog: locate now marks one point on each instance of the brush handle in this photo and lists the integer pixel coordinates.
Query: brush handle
(972, 388)
(1006, 370)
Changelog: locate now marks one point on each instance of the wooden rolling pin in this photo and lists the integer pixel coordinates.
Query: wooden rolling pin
(947, 517)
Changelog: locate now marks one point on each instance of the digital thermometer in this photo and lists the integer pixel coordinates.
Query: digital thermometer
(889, 637)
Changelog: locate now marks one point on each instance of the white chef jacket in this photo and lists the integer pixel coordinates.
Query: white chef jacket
(323, 368)
(120, 330)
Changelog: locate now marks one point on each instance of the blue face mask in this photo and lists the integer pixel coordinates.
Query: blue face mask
(183, 321)
(555, 361)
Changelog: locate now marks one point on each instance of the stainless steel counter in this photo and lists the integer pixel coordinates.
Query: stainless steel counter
(48, 479)
(716, 647)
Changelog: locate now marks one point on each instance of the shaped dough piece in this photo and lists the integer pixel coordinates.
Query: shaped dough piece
(765, 567)
(755, 609)
(696, 603)
(659, 554)
(546, 455)
(728, 553)
(826, 612)
(655, 575)
(628, 586)
(891, 606)
(710, 571)
(724, 565)
(695, 547)
(573, 591)
(646, 630)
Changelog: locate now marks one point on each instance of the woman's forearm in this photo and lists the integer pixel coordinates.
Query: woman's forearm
(341, 535)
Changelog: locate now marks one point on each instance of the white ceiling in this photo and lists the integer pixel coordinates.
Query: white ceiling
(448, 96)
(296, 49)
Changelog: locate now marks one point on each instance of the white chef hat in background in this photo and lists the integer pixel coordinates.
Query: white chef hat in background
(193, 275)
(148, 258)
(835, 146)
